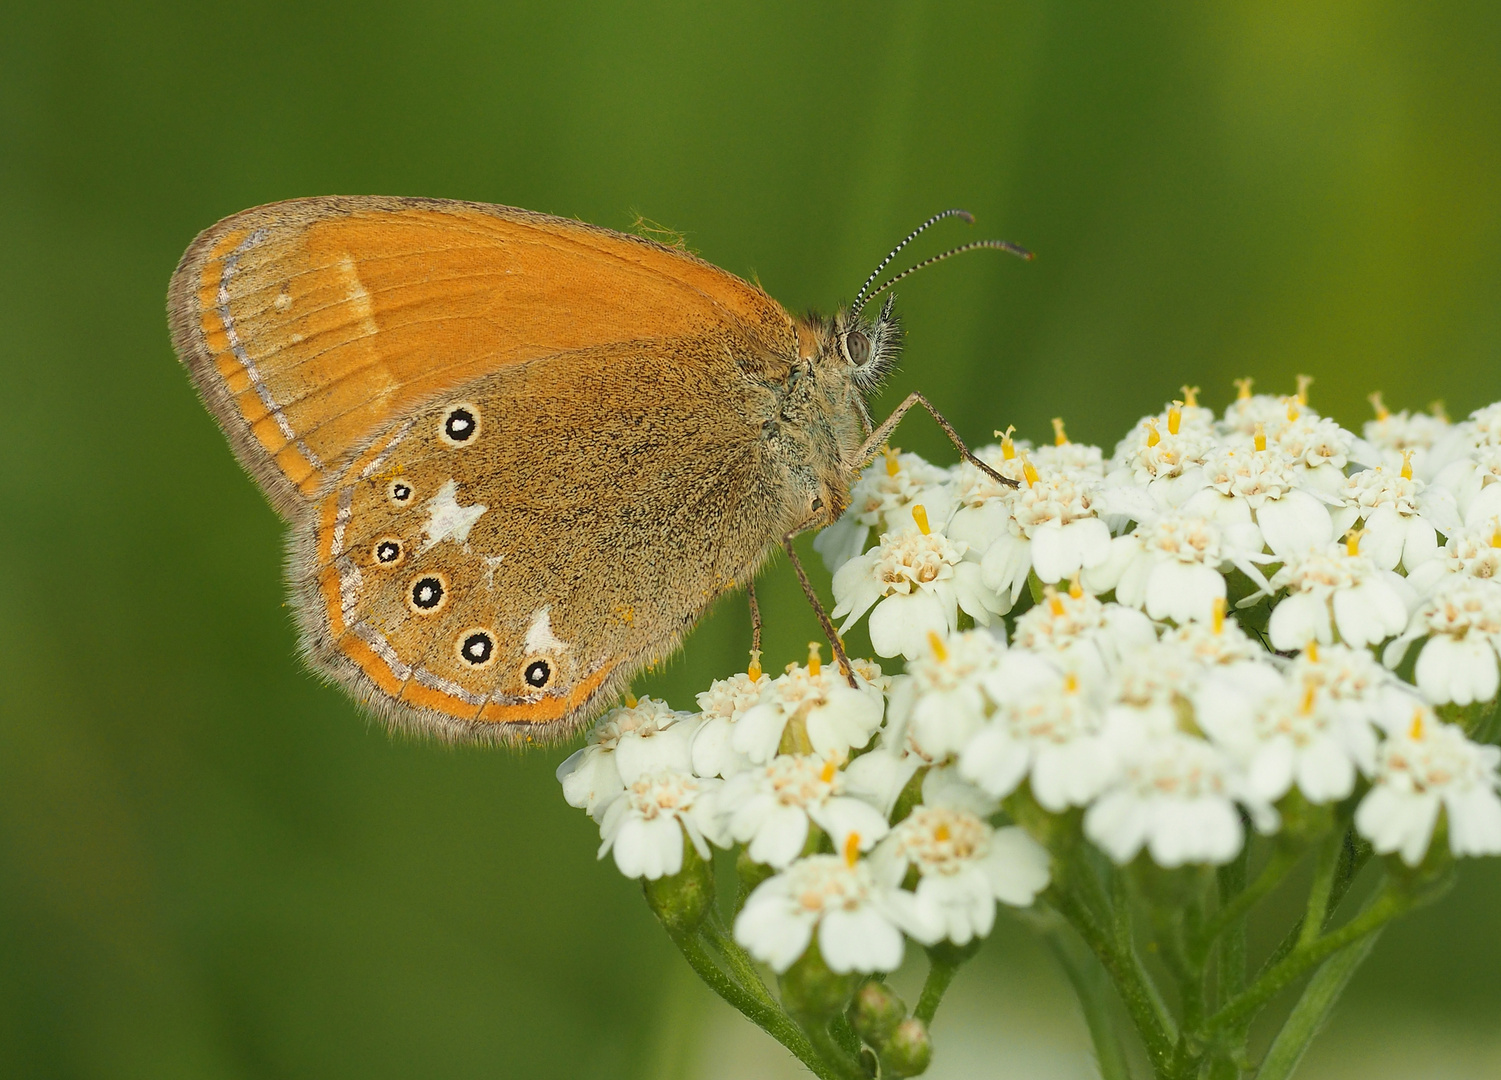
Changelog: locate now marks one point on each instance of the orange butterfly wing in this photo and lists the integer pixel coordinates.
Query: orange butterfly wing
(311, 325)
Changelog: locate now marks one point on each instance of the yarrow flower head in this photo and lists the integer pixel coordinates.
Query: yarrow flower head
(647, 823)
(1053, 530)
(721, 706)
(1110, 670)
(1404, 438)
(882, 499)
(772, 807)
(1173, 567)
(942, 697)
(839, 899)
(813, 709)
(1424, 767)
(1461, 622)
(964, 865)
(1285, 735)
(1175, 796)
(1047, 731)
(1258, 484)
(1337, 589)
(1082, 633)
(627, 743)
(913, 584)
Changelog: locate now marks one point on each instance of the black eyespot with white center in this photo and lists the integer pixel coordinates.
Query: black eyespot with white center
(388, 551)
(857, 347)
(476, 647)
(400, 492)
(538, 674)
(460, 425)
(427, 594)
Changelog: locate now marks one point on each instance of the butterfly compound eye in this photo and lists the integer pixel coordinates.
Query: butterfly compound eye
(538, 674)
(857, 348)
(460, 424)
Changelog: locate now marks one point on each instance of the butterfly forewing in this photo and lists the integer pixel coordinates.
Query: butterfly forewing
(312, 326)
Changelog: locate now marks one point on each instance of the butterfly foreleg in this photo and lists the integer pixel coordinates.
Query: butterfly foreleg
(755, 616)
(882, 433)
(823, 616)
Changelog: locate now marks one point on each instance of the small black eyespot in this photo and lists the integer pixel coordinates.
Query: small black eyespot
(460, 424)
(388, 551)
(400, 492)
(428, 593)
(476, 648)
(537, 673)
(857, 347)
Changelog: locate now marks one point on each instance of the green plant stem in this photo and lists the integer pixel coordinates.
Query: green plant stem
(1093, 987)
(1232, 937)
(1352, 861)
(1143, 1004)
(941, 972)
(1325, 870)
(742, 967)
(1232, 915)
(838, 1059)
(1387, 905)
(768, 1017)
(1313, 1009)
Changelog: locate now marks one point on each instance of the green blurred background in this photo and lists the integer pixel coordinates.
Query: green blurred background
(212, 866)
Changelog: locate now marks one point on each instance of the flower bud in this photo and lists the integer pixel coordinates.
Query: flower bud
(909, 1051)
(876, 1012)
(682, 900)
(811, 990)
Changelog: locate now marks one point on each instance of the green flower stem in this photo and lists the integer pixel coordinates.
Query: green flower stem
(840, 1027)
(1145, 1007)
(1387, 905)
(1120, 912)
(1093, 987)
(768, 1017)
(1313, 1008)
(941, 972)
(742, 967)
(1352, 861)
(1325, 870)
(1232, 936)
(1233, 914)
(839, 1061)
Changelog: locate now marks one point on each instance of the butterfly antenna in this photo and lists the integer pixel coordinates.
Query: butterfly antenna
(860, 296)
(1000, 245)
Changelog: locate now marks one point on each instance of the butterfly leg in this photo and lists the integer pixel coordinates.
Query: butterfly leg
(755, 614)
(882, 433)
(823, 616)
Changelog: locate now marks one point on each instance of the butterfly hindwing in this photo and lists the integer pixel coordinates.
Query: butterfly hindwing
(508, 554)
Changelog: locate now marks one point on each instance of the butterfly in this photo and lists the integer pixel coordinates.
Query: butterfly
(519, 455)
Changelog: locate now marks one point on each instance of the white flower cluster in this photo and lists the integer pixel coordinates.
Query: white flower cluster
(1072, 644)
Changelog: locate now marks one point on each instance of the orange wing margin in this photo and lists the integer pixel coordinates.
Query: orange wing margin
(309, 325)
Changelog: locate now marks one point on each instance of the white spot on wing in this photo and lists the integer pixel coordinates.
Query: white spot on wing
(491, 563)
(539, 635)
(447, 520)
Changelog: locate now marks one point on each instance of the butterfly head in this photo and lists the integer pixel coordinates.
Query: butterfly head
(869, 346)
